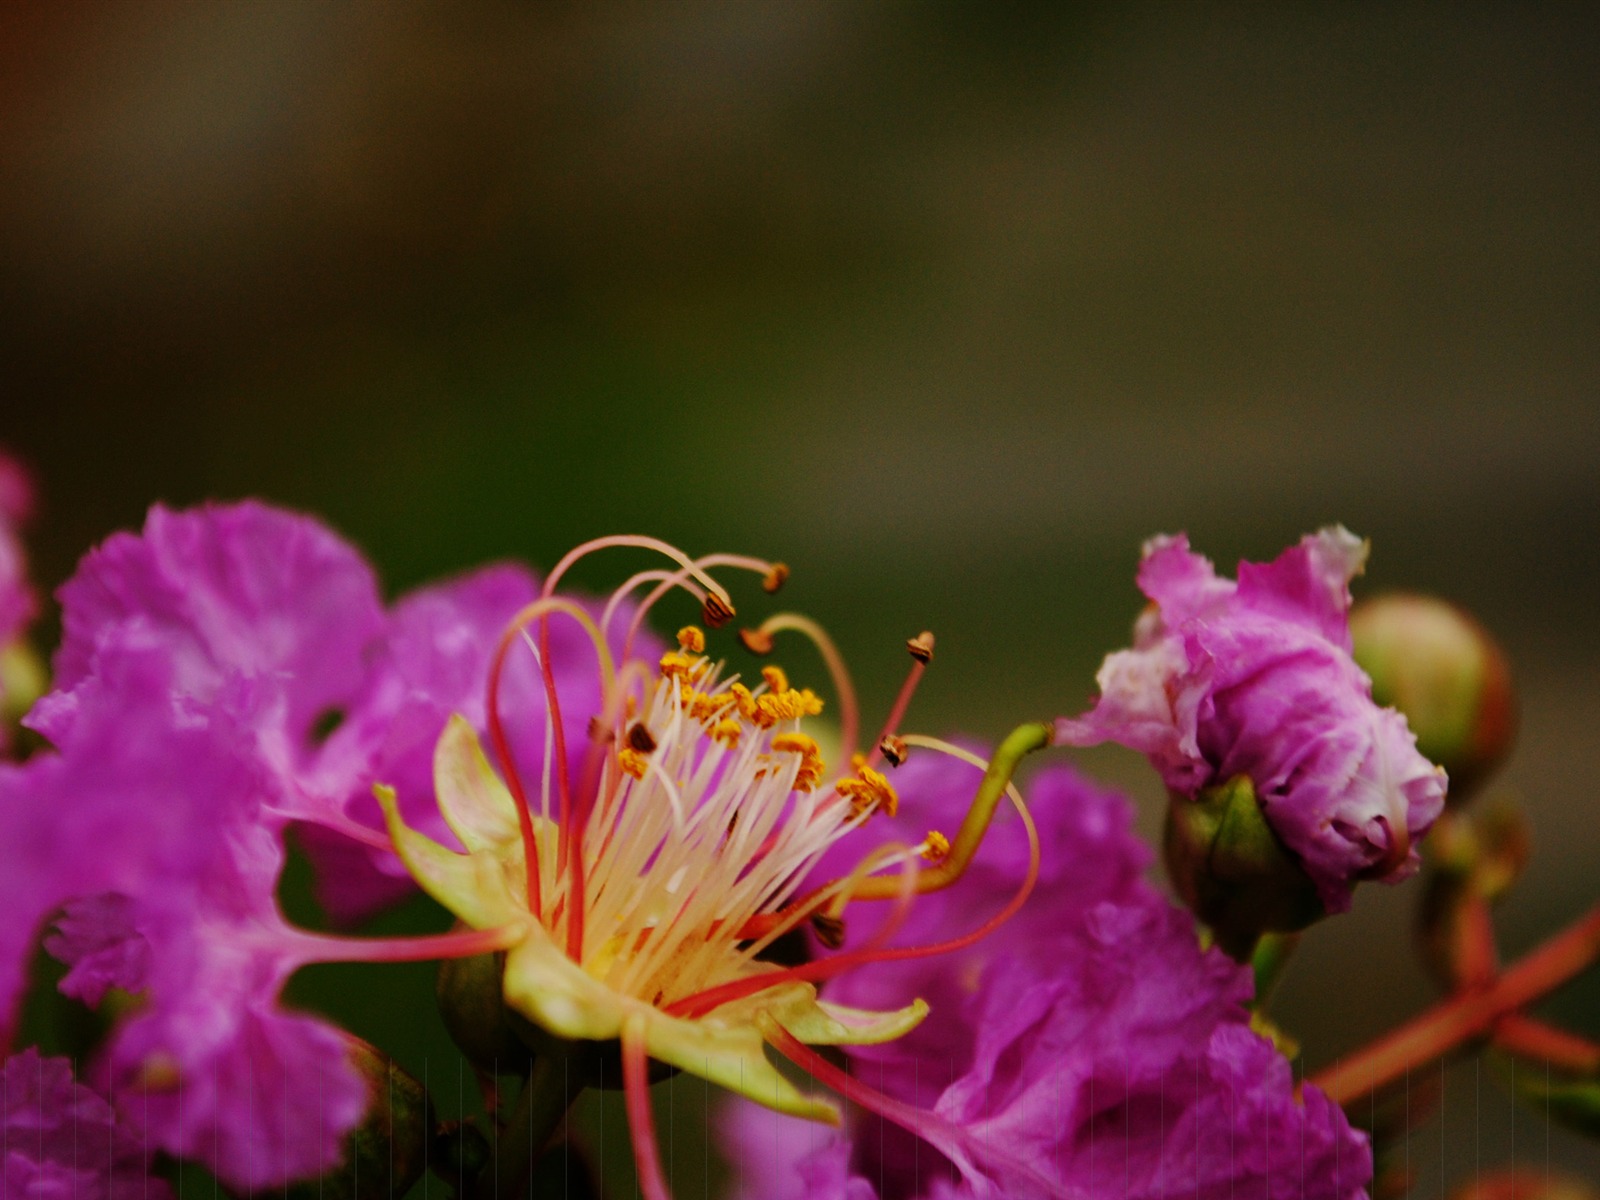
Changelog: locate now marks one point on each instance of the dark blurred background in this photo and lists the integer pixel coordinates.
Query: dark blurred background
(949, 305)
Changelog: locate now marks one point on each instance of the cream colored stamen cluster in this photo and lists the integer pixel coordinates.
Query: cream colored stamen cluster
(719, 821)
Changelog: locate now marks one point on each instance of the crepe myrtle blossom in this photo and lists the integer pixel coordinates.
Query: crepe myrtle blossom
(639, 893)
(60, 1139)
(1252, 684)
(198, 666)
(254, 605)
(1087, 1048)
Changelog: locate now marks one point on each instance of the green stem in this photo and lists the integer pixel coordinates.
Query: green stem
(1018, 744)
(1271, 958)
(544, 1101)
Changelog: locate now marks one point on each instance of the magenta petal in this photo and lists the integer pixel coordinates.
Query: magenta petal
(229, 590)
(1089, 1042)
(63, 1140)
(265, 1096)
(1308, 584)
(99, 936)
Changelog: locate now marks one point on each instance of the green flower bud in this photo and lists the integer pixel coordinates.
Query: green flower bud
(1475, 857)
(387, 1153)
(496, 1040)
(1231, 869)
(472, 1005)
(1449, 678)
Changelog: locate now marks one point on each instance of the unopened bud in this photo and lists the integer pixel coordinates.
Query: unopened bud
(387, 1153)
(472, 1006)
(1449, 678)
(1231, 869)
(1475, 857)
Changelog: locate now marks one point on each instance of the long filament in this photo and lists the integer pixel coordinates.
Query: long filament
(641, 1121)
(539, 611)
(849, 710)
(825, 968)
(576, 823)
(897, 711)
(656, 575)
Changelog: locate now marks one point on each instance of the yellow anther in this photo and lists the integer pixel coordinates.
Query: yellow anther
(755, 641)
(728, 731)
(935, 846)
(684, 667)
(775, 677)
(775, 578)
(812, 768)
(692, 640)
(632, 762)
(703, 706)
(745, 701)
(786, 706)
(921, 647)
(799, 743)
(893, 749)
(869, 791)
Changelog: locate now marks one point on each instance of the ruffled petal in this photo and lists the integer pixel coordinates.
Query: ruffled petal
(230, 589)
(62, 1139)
(1258, 680)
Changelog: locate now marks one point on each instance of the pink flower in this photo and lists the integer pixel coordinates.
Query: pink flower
(272, 612)
(1255, 679)
(200, 665)
(1087, 1048)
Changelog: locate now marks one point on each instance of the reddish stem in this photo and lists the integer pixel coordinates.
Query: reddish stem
(1529, 1037)
(1465, 1017)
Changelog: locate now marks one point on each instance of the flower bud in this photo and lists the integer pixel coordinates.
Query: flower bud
(1442, 670)
(472, 1005)
(1254, 678)
(1231, 869)
(1476, 857)
(387, 1153)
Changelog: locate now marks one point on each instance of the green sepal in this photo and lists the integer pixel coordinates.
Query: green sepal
(1231, 869)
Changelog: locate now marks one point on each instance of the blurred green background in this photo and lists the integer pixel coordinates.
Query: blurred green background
(949, 305)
